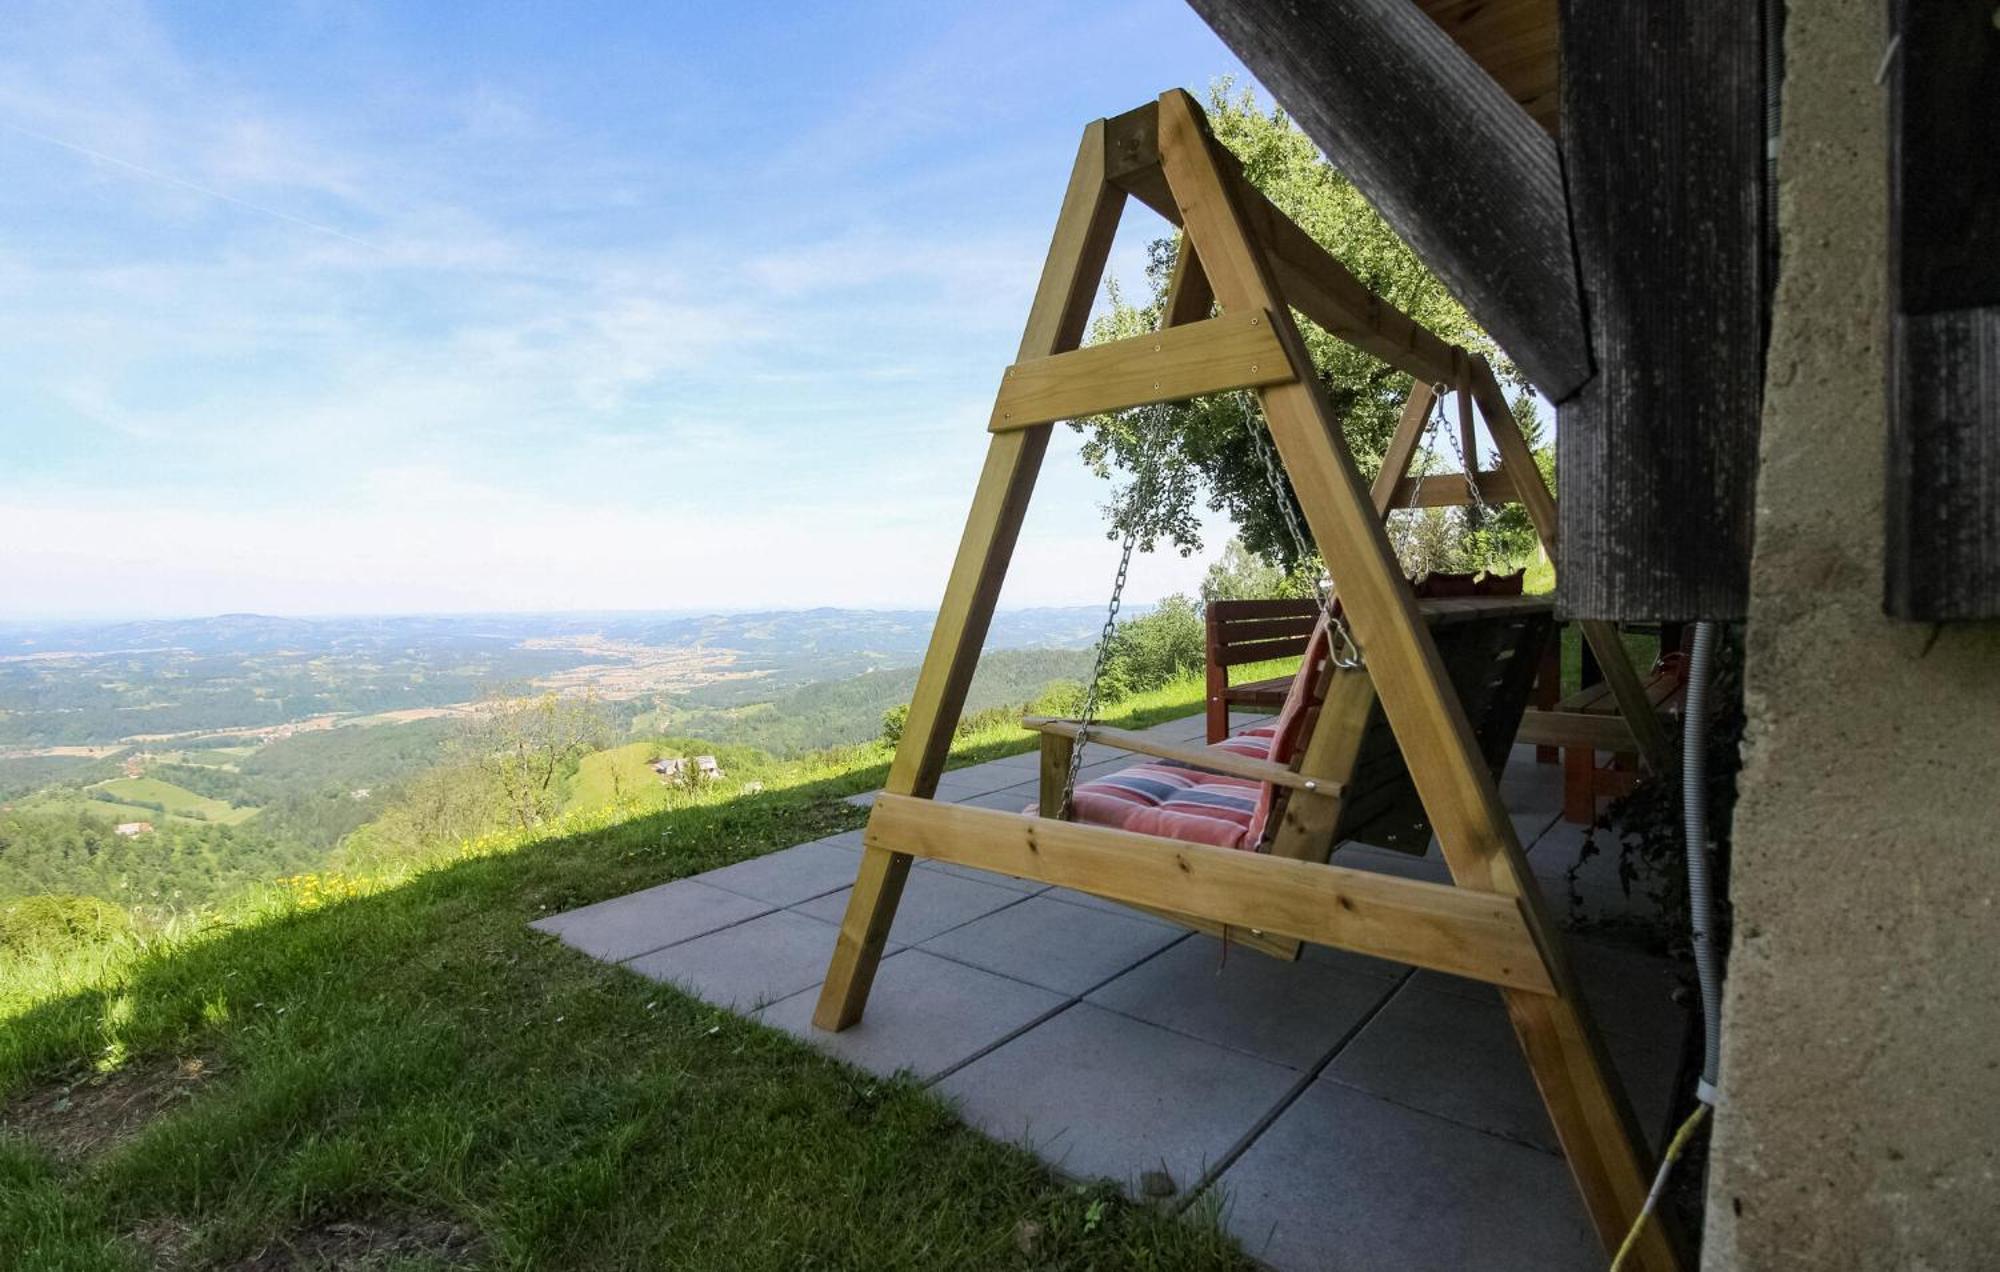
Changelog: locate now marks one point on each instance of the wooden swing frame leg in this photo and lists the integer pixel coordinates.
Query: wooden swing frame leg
(1232, 229)
(1075, 266)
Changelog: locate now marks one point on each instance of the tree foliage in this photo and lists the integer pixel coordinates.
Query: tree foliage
(1204, 445)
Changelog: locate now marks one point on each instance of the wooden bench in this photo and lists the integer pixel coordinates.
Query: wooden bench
(1587, 722)
(1244, 632)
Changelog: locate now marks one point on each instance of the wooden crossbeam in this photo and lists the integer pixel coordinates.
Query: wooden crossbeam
(1449, 490)
(1227, 763)
(1480, 935)
(1235, 351)
(1576, 728)
(1310, 278)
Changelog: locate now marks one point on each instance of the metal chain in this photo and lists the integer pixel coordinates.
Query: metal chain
(1144, 488)
(1104, 638)
(1464, 465)
(1346, 654)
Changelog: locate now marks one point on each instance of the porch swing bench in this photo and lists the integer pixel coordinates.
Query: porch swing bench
(1403, 710)
(1248, 792)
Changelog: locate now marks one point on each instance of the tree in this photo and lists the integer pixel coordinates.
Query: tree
(1241, 575)
(526, 746)
(1204, 445)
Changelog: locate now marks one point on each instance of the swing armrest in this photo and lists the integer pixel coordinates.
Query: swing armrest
(1227, 763)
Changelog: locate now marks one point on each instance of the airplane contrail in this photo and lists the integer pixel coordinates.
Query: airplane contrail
(170, 179)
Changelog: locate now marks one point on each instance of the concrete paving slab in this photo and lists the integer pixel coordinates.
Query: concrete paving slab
(1345, 1181)
(932, 902)
(1067, 948)
(1629, 992)
(749, 965)
(1288, 1013)
(1103, 1095)
(1192, 728)
(1602, 894)
(978, 779)
(791, 875)
(925, 1015)
(1010, 799)
(641, 922)
(1457, 1057)
(1024, 761)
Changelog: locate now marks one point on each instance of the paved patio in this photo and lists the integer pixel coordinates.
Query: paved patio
(1351, 1113)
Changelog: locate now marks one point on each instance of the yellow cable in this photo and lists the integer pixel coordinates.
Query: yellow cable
(1680, 1140)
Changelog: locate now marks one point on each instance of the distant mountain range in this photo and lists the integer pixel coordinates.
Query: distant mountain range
(783, 634)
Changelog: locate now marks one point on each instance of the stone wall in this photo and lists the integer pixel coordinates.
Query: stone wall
(1861, 1066)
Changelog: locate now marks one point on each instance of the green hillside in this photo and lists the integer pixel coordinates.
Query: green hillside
(842, 712)
(175, 801)
(396, 1071)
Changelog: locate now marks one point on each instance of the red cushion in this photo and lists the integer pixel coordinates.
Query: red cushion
(1171, 800)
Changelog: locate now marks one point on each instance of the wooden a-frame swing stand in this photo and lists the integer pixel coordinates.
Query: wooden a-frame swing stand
(1241, 255)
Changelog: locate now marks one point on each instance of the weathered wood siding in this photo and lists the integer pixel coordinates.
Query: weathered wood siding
(1942, 550)
(1449, 159)
(1663, 136)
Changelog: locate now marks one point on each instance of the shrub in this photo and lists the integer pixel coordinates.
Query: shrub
(893, 722)
(1155, 650)
(58, 924)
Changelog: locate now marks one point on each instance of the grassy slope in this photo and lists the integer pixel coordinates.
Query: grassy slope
(177, 800)
(416, 1050)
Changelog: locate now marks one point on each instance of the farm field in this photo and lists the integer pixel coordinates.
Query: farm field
(178, 801)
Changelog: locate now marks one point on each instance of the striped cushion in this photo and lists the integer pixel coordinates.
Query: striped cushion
(1172, 800)
(1179, 801)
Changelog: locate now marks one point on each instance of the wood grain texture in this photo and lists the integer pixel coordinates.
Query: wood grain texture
(1663, 136)
(1942, 551)
(1466, 932)
(1514, 41)
(1442, 151)
(1214, 355)
(1943, 499)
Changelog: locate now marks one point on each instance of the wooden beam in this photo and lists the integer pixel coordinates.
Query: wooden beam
(1452, 163)
(1590, 730)
(1215, 355)
(1592, 1119)
(1942, 557)
(1480, 935)
(1515, 41)
(1449, 490)
(1227, 763)
(1533, 494)
(1664, 150)
(1053, 772)
(1317, 285)
(1189, 297)
(1056, 320)
(1403, 447)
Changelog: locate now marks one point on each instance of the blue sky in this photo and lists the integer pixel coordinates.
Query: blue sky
(325, 307)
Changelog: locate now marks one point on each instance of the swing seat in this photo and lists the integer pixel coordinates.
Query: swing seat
(1489, 641)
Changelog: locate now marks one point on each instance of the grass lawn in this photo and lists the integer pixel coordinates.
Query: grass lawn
(399, 1070)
